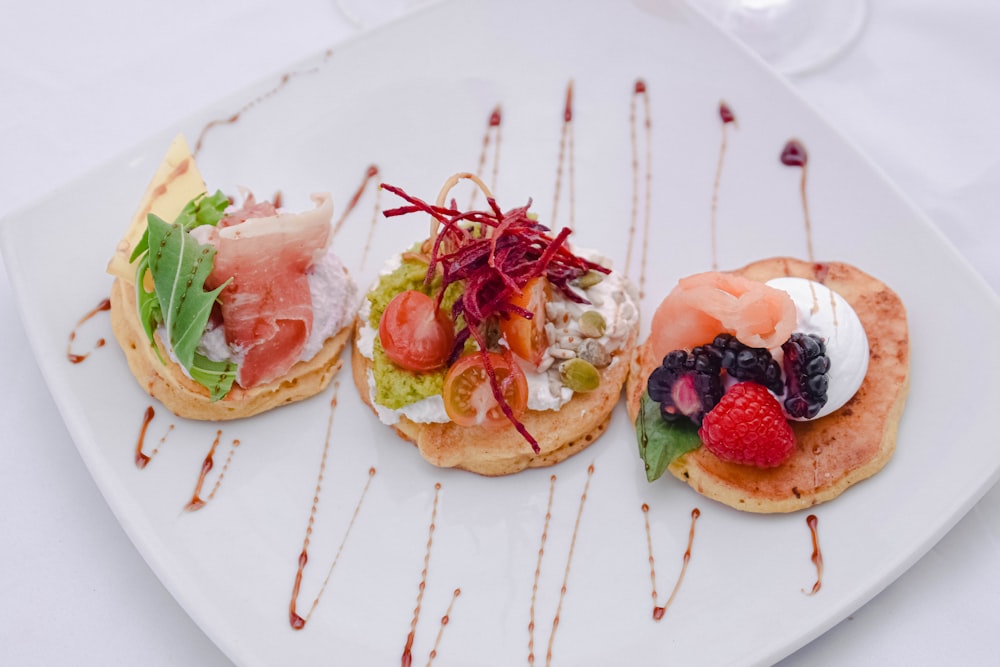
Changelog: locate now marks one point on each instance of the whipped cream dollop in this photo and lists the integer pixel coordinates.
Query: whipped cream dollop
(823, 312)
(614, 297)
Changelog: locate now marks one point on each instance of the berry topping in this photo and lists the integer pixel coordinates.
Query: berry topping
(806, 379)
(687, 385)
(749, 363)
(748, 427)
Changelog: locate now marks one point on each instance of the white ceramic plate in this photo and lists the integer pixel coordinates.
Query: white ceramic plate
(414, 99)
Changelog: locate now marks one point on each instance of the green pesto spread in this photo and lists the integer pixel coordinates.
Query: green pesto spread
(396, 387)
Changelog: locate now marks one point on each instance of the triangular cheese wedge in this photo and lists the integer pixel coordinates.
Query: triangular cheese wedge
(176, 182)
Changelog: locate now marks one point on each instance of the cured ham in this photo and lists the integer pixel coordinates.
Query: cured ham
(266, 308)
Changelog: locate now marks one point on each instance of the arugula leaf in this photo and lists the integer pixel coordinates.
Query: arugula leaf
(202, 210)
(149, 306)
(662, 442)
(178, 270)
(216, 376)
(180, 265)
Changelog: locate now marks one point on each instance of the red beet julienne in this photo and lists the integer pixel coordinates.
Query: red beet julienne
(294, 618)
(565, 148)
(73, 357)
(728, 118)
(640, 90)
(235, 117)
(658, 611)
(495, 253)
(492, 132)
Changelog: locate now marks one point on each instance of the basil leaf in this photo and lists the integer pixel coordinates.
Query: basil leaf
(180, 265)
(216, 376)
(662, 442)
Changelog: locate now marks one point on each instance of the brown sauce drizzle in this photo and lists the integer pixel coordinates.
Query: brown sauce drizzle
(492, 134)
(565, 151)
(278, 199)
(640, 90)
(162, 188)
(817, 555)
(370, 174)
(538, 572)
(197, 502)
(142, 459)
(658, 611)
(235, 117)
(444, 621)
(727, 117)
(74, 358)
(794, 155)
(407, 657)
(569, 561)
(295, 620)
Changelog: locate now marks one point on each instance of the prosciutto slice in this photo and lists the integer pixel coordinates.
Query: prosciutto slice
(266, 308)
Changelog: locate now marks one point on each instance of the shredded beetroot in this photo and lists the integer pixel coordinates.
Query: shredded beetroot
(495, 253)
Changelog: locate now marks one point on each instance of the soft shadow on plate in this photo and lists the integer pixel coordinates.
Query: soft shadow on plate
(416, 99)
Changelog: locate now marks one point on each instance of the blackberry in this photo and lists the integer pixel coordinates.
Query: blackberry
(687, 385)
(753, 364)
(806, 379)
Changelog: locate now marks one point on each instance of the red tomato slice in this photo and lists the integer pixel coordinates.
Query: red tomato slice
(468, 396)
(414, 333)
(526, 338)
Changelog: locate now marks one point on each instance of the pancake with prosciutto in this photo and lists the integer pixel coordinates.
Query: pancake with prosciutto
(830, 452)
(225, 311)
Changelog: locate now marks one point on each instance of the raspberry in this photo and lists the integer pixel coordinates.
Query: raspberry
(747, 426)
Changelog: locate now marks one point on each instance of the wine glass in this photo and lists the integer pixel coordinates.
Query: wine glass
(793, 36)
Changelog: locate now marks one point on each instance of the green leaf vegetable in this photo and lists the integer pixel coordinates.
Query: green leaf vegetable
(179, 266)
(662, 442)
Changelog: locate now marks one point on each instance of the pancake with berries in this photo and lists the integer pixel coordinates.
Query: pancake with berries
(493, 345)
(774, 387)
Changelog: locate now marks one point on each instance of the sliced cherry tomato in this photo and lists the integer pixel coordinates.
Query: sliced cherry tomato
(468, 395)
(526, 338)
(414, 333)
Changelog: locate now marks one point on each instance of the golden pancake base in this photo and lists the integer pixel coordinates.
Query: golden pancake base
(834, 452)
(186, 398)
(494, 452)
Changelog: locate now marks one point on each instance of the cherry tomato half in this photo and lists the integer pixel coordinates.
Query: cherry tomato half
(468, 396)
(526, 338)
(414, 333)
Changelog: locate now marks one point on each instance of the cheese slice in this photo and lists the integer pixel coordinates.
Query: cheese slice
(176, 182)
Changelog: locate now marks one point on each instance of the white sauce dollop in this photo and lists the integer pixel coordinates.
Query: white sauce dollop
(825, 313)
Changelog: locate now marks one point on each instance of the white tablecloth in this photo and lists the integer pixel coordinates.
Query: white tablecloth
(82, 82)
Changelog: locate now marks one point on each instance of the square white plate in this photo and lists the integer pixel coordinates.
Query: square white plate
(414, 99)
